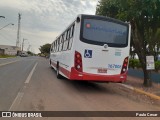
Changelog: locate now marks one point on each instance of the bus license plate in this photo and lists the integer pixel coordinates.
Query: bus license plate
(102, 70)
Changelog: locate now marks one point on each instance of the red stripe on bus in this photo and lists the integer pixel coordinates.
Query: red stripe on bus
(61, 69)
(75, 75)
(64, 71)
(54, 64)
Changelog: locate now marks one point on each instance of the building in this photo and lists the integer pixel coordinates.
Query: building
(9, 50)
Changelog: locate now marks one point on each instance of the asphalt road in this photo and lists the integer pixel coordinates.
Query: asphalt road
(29, 84)
(12, 77)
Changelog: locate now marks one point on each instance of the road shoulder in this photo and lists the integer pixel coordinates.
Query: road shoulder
(136, 85)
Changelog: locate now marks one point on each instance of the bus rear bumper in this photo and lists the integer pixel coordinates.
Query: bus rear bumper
(75, 75)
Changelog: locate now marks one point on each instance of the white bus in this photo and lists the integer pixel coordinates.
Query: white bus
(92, 48)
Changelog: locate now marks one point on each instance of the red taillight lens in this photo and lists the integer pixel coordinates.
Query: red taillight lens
(125, 65)
(78, 61)
(78, 55)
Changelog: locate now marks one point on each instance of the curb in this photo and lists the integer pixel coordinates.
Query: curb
(140, 91)
(8, 63)
(148, 94)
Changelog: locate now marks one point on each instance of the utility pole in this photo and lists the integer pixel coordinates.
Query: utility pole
(28, 47)
(23, 43)
(18, 32)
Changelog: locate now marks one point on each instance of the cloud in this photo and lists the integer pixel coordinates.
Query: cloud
(42, 20)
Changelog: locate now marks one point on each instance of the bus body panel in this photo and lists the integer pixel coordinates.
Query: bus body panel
(101, 60)
(92, 66)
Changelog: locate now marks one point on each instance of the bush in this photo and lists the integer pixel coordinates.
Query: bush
(134, 63)
(157, 65)
(131, 63)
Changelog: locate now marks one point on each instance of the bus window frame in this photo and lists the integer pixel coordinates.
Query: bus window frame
(66, 36)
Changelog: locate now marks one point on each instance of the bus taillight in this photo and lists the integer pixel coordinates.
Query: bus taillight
(125, 64)
(78, 61)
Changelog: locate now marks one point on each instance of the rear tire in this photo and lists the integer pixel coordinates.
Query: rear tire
(57, 72)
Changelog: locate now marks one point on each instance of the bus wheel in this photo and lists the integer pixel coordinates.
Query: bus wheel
(57, 72)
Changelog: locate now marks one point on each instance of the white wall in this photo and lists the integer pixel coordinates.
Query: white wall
(9, 50)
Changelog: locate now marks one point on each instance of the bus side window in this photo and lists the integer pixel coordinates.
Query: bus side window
(62, 40)
(71, 37)
(61, 43)
(57, 44)
(73, 30)
(54, 47)
(64, 45)
(68, 36)
(65, 35)
(65, 41)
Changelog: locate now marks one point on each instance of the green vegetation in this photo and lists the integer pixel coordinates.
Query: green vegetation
(144, 16)
(135, 63)
(30, 53)
(7, 56)
(45, 49)
(157, 65)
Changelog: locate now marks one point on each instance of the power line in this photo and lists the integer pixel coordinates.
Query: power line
(6, 38)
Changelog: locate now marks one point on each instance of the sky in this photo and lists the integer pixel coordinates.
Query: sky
(41, 20)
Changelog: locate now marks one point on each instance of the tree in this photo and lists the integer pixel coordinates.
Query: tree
(144, 16)
(30, 53)
(45, 49)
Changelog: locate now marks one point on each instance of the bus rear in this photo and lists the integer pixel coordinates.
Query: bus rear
(102, 51)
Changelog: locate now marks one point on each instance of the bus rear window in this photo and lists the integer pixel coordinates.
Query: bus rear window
(104, 32)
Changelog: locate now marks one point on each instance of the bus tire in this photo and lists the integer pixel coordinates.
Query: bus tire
(57, 72)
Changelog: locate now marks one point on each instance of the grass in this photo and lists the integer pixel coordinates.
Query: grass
(7, 56)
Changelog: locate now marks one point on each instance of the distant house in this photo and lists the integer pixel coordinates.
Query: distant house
(9, 50)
